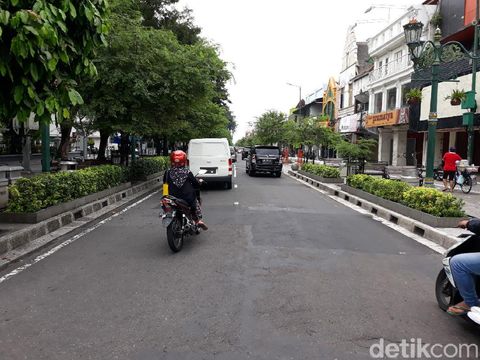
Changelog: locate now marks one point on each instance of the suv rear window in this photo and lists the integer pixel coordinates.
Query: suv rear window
(267, 151)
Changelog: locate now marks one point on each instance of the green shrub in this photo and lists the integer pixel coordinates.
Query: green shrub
(430, 201)
(140, 169)
(360, 181)
(434, 202)
(321, 170)
(39, 192)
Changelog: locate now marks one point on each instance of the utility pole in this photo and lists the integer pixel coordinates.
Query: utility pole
(470, 130)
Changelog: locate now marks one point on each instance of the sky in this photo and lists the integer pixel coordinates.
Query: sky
(269, 43)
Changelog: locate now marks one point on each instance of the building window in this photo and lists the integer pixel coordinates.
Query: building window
(342, 98)
(378, 102)
(391, 99)
(386, 66)
(398, 56)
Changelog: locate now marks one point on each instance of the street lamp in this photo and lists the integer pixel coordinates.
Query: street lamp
(425, 54)
(299, 88)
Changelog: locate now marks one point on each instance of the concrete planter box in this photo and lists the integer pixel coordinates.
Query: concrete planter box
(44, 214)
(321, 179)
(434, 221)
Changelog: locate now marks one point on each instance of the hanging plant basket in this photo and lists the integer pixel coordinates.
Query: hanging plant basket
(456, 97)
(413, 101)
(455, 102)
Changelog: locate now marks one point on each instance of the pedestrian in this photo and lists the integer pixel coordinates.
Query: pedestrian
(450, 168)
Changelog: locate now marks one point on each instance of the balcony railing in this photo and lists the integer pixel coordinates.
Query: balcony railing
(392, 68)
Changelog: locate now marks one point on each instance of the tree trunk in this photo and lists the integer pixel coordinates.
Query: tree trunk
(158, 146)
(124, 149)
(165, 146)
(65, 130)
(104, 135)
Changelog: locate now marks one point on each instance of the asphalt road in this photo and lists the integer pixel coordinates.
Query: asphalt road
(283, 273)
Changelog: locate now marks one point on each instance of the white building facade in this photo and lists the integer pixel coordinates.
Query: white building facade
(387, 85)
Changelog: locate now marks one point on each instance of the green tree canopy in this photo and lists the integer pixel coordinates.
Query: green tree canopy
(44, 47)
(270, 127)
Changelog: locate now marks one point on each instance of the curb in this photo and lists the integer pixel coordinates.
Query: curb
(416, 227)
(23, 237)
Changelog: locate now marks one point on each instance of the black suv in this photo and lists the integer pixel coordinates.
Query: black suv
(263, 158)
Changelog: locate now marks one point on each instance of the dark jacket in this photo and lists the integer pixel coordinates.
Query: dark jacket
(182, 184)
(474, 226)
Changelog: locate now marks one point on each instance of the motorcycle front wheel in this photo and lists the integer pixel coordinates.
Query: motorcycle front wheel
(445, 293)
(467, 185)
(175, 235)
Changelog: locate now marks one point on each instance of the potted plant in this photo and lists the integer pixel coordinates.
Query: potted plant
(413, 96)
(456, 97)
(436, 20)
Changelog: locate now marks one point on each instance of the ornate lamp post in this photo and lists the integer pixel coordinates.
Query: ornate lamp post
(430, 54)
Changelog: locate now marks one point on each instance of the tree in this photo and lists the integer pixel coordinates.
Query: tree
(44, 47)
(150, 84)
(357, 152)
(162, 14)
(270, 127)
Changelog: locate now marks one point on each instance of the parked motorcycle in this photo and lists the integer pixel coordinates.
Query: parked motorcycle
(178, 220)
(445, 289)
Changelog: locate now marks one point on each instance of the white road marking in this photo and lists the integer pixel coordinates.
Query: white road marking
(236, 203)
(71, 240)
(235, 186)
(398, 228)
(234, 170)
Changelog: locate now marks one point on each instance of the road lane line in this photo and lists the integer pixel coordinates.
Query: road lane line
(430, 244)
(72, 239)
(235, 186)
(234, 171)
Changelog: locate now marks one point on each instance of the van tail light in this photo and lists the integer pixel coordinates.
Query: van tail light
(230, 166)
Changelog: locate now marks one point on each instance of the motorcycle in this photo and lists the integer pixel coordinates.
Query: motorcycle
(445, 289)
(177, 218)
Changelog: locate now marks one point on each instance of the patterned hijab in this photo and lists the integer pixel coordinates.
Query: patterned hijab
(179, 175)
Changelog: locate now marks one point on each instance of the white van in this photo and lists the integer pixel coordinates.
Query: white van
(212, 155)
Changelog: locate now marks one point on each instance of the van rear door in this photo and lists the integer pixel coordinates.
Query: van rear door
(212, 156)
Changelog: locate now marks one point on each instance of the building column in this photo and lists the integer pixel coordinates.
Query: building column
(453, 139)
(399, 146)
(384, 144)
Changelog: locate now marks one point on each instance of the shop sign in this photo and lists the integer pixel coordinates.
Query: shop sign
(388, 118)
(349, 124)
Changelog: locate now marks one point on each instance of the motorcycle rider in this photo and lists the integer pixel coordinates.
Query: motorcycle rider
(182, 184)
(464, 269)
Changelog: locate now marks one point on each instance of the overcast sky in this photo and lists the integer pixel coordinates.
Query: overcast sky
(271, 42)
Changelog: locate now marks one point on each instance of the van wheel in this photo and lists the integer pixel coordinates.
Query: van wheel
(228, 185)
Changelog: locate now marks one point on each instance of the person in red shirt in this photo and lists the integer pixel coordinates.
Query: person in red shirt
(449, 168)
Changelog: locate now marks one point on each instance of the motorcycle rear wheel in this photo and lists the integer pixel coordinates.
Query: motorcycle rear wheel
(175, 235)
(445, 293)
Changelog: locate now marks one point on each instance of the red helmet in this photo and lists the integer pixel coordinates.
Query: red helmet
(178, 158)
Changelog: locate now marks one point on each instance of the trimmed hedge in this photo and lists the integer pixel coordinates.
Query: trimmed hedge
(428, 200)
(29, 195)
(140, 169)
(322, 170)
